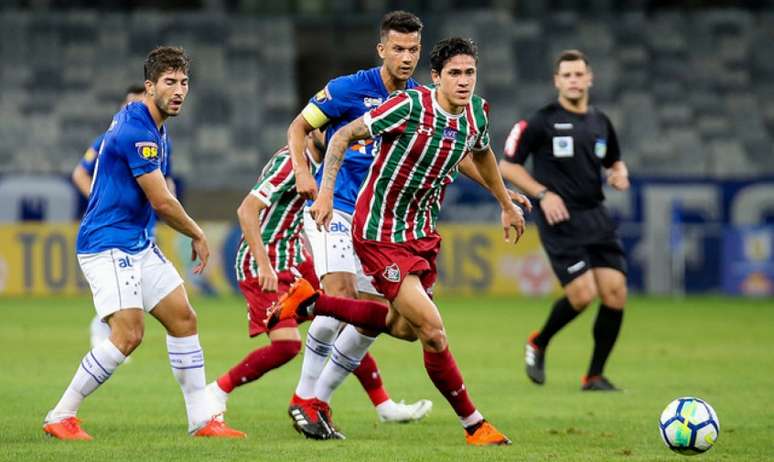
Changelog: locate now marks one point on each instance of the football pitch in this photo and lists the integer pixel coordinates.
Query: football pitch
(719, 349)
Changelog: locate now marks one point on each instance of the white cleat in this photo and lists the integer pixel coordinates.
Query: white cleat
(391, 411)
(217, 398)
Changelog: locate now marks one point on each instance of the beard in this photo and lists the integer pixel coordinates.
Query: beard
(164, 108)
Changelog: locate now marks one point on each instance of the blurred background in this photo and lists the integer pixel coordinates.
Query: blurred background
(688, 85)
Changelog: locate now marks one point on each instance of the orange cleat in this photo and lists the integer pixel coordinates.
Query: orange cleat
(67, 429)
(216, 428)
(487, 435)
(294, 304)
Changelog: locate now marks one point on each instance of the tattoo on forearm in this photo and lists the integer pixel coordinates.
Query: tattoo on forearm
(338, 145)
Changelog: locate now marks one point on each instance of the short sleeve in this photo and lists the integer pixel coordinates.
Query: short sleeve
(522, 141)
(483, 139)
(141, 150)
(89, 159)
(613, 153)
(390, 117)
(167, 171)
(276, 179)
(328, 103)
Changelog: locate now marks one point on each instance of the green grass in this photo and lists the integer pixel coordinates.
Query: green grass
(719, 349)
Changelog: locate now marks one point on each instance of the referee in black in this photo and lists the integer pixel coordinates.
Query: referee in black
(571, 142)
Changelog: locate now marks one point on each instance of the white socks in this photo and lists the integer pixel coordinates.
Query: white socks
(187, 360)
(96, 367)
(319, 341)
(98, 331)
(348, 351)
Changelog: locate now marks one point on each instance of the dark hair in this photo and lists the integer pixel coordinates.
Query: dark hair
(399, 21)
(135, 89)
(446, 49)
(570, 55)
(163, 59)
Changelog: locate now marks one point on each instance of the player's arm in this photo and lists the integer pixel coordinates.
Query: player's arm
(322, 209)
(82, 180)
(297, 132)
(172, 212)
(618, 176)
(523, 140)
(468, 168)
(512, 217)
(249, 220)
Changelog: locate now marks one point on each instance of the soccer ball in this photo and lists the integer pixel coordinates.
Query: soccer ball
(689, 426)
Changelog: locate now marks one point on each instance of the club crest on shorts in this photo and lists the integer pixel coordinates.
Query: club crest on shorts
(392, 273)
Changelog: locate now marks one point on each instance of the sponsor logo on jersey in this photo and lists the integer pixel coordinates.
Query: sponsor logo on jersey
(449, 134)
(372, 102)
(392, 273)
(559, 126)
(147, 149)
(425, 130)
(600, 148)
(563, 146)
(322, 95)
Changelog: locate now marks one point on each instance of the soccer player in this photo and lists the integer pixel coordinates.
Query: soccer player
(342, 100)
(425, 133)
(127, 272)
(570, 142)
(82, 176)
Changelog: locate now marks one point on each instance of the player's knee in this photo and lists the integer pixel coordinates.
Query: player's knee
(582, 296)
(127, 338)
(433, 338)
(184, 325)
(615, 297)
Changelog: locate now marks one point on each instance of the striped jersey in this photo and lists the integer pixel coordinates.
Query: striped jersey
(281, 220)
(418, 154)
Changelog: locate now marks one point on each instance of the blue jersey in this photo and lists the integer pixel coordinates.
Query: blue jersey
(119, 215)
(343, 100)
(89, 160)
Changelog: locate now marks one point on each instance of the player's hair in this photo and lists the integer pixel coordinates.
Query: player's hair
(135, 89)
(399, 21)
(570, 55)
(446, 49)
(162, 59)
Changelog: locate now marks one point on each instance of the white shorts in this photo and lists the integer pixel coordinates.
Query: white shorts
(120, 280)
(333, 252)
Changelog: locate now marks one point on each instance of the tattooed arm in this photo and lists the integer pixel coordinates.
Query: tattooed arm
(322, 209)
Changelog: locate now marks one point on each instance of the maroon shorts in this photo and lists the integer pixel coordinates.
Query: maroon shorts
(388, 263)
(259, 301)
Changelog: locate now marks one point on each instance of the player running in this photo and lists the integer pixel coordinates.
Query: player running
(342, 100)
(127, 272)
(425, 134)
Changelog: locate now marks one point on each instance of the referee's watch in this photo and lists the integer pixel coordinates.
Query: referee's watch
(540, 195)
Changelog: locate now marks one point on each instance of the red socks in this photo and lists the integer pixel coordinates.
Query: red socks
(445, 374)
(366, 314)
(369, 377)
(258, 363)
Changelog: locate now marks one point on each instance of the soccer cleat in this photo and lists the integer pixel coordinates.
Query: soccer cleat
(217, 428)
(294, 304)
(535, 361)
(597, 383)
(307, 420)
(486, 435)
(403, 413)
(324, 410)
(67, 429)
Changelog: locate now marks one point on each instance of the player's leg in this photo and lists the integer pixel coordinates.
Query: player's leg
(413, 303)
(98, 331)
(612, 291)
(112, 278)
(165, 296)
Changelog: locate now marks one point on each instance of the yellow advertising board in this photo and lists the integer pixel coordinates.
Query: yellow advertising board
(39, 259)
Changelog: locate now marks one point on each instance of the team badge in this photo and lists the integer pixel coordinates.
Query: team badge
(322, 95)
(147, 150)
(600, 148)
(471, 141)
(392, 273)
(449, 134)
(372, 102)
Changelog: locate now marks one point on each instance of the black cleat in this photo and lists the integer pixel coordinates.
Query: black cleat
(306, 419)
(326, 415)
(597, 383)
(534, 361)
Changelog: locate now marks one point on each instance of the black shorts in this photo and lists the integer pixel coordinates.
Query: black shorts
(587, 240)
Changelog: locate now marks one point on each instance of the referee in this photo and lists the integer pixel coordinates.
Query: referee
(570, 142)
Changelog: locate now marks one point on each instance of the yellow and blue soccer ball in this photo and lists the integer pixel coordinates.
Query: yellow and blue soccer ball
(689, 426)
